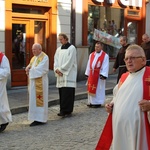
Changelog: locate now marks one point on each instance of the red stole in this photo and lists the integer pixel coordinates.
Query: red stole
(1, 56)
(106, 137)
(94, 74)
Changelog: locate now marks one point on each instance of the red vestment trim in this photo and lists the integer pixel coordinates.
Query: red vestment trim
(106, 137)
(1, 56)
(146, 96)
(94, 74)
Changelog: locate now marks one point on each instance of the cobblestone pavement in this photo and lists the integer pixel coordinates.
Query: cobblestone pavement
(79, 132)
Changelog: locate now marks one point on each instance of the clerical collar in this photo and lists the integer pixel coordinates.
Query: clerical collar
(138, 70)
(39, 54)
(98, 52)
(66, 46)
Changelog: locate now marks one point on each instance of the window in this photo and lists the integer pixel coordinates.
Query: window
(109, 21)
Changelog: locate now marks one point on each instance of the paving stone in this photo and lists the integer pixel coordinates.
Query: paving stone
(79, 132)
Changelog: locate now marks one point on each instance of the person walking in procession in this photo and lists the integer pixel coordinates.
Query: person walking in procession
(119, 63)
(97, 73)
(128, 126)
(65, 68)
(5, 113)
(37, 72)
(146, 46)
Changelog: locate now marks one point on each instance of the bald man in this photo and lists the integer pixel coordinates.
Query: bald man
(146, 46)
(37, 72)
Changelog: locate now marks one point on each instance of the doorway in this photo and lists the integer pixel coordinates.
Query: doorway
(20, 51)
(24, 34)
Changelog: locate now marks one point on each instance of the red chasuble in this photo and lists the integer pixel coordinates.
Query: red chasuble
(1, 56)
(106, 137)
(94, 74)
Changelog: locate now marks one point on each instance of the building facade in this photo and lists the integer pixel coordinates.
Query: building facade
(24, 22)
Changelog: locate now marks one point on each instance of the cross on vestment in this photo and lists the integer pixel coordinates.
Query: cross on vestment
(93, 87)
(39, 96)
(89, 85)
(148, 80)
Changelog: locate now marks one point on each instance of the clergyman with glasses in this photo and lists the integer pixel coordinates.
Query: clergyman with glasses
(130, 107)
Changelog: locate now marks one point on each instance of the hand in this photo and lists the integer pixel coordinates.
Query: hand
(27, 69)
(114, 70)
(109, 107)
(102, 77)
(144, 105)
(59, 73)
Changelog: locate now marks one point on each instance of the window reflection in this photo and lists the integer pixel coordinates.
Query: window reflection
(132, 32)
(27, 10)
(19, 46)
(39, 33)
(107, 20)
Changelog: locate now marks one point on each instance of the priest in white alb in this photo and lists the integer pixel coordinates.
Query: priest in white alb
(97, 73)
(5, 114)
(65, 69)
(37, 72)
(128, 126)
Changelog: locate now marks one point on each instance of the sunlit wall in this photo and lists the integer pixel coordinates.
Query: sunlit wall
(148, 19)
(2, 25)
(78, 22)
(63, 18)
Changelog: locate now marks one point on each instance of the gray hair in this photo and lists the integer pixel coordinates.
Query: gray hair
(145, 35)
(37, 45)
(137, 48)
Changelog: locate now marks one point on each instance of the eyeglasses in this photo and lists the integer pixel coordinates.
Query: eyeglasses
(132, 58)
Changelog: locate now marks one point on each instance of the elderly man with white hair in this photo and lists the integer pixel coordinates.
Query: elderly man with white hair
(37, 72)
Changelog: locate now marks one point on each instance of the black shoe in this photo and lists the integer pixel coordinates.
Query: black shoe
(64, 114)
(36, 123)
(61, 114)
(68, 115)
(3, 127)
(89, 105)
(94, 106)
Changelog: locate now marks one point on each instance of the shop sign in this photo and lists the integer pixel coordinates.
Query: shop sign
(136, 3)
(36, 0)
(108, 1)
(106, 38)
(46, 3)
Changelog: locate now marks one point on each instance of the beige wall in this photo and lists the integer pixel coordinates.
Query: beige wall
(78, 23)
(63, 18)
(2, 26)
(148, 19)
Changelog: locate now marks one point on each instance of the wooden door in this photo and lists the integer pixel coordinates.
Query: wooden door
(25, 32)
(20, 51)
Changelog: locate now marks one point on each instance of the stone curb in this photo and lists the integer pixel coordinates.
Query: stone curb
(79, 96)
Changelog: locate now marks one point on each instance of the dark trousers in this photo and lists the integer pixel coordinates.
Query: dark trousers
(66, 96)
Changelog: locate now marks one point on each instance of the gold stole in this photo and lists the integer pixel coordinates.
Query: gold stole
(38, 81)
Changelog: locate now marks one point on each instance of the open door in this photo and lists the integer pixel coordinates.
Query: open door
(24, 34)
(20, 51)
